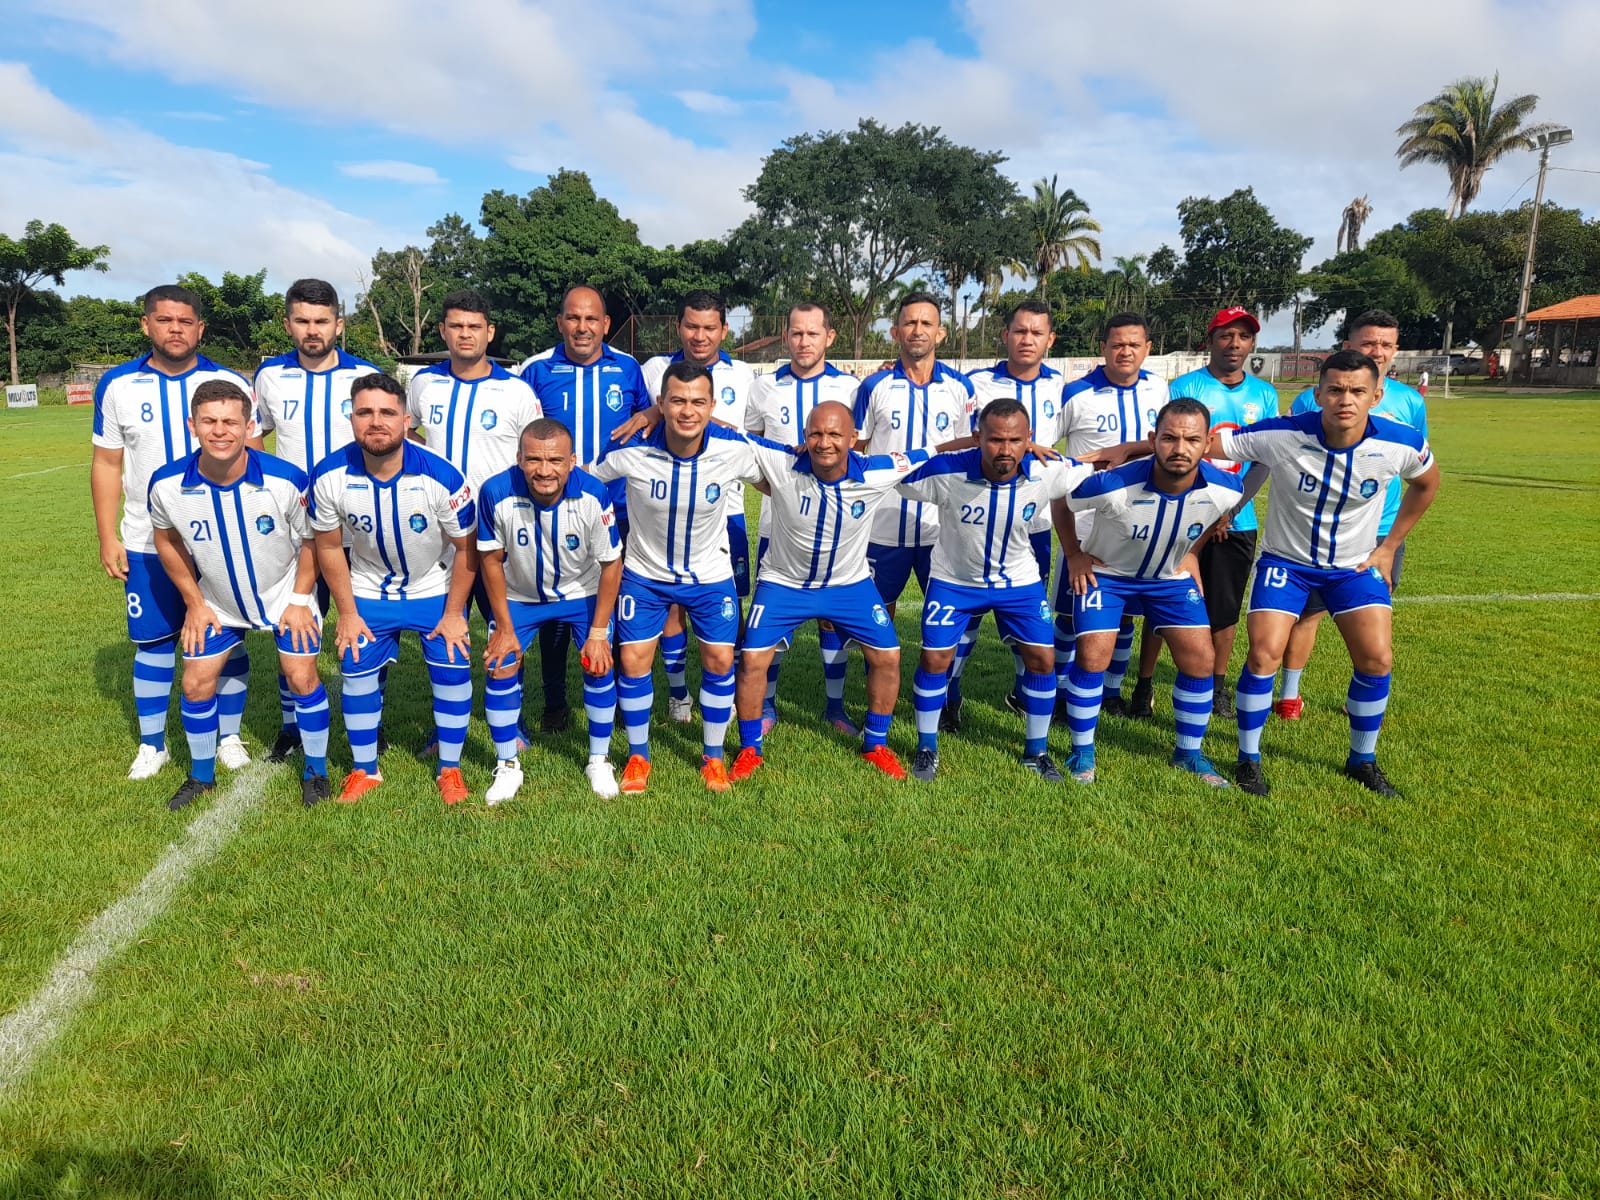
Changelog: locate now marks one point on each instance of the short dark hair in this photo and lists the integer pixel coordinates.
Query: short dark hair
(318, 293)
(1123, 320)
(542, 429)
(911, 298)
(1373, 318)
(1184, 406)
(1003, 406)
(580, 287)
(685, 371)
(1038, 307)
(213, 390)
(1348, 360)
(810, 306)
(377, 381)
(468, 300)
(703, 301)
(176, 293)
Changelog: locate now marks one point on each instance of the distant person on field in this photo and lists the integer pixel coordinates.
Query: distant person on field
(1422, 380)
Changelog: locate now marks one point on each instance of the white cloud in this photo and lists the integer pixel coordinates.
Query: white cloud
(393, 171)
(708, 103)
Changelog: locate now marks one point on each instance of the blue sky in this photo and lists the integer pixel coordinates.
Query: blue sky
(226, 134)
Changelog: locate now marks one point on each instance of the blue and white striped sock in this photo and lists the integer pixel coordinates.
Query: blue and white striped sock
(600, 706)
(964, 648)
(875, 730)
(835, 659)
(452, 708)
(1291, 684)
(1085, 693)
(1039, 703)
(313, 718)
(232, 688)
(716, 709)
(773, 668)
(1367, 700)
(1252, 701)
(635, 696)
(502, 707)
(1191, 711)
(1065, 645)
(362, 703)
(154, 665)
(288, 706)
(928, 693)
(200, 728)
(1120, 653)
(675, 658)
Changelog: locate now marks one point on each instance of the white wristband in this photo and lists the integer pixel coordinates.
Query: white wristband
(602, 634)
(303, 599)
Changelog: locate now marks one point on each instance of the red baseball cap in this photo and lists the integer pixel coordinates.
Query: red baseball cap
(1228, 316)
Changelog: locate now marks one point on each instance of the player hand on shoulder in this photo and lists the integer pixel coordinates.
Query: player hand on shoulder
(351, 633)
(114, 558)
(300, 622)
(645, 420)
(198, 621)
(1115, 456)
(1383, 560)
(1044, 453)
(452, 627)
(1080, 569)
(503, 650)
(596, 654)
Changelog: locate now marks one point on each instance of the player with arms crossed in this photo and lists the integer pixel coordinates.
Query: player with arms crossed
(1138, 559)
(141, 423)
(412, 561)
(230, 527)
(678, 479)
(548, 552)
(821, 502)
(984, 562)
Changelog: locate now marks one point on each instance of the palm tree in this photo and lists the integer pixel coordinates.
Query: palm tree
(1356, 214)
(1126, 283)
(1463, 131)
(1062, 231)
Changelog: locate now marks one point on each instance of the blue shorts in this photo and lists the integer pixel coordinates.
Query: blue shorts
(891, 568)
(155, 607)
(1283, 586)
(642, 609)
(1163, 603)
(388, 619)
(1021, 614)
(739, 552)
(527, 619)
(224, 642)
(854, 609)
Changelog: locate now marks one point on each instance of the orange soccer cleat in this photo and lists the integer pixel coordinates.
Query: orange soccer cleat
(884, 759)
(1290, 709)
(745, 765)
(715, 772)
(452, 788)
(635, 775)
(356, 785)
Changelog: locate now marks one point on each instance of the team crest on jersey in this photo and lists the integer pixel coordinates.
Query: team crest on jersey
(614, 398)
(942, 422)
(1369, 488)
(1049, 408)
(1150, 417)
(727, 608)
(418, 523)
(265, 525)
(488, 419)
(572, 541)
(729, 395)
(1028, 510)
(880, 615)
(1193, 531)
(713, 491)
(858, 509)
(1252, 413)
(347, 407)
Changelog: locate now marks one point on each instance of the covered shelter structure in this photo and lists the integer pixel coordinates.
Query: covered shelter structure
(1563, 343)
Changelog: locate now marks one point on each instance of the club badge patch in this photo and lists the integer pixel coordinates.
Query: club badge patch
(1028, 510)
(858, 509)
(880, 615)
(728, 612)
(713, 492)
(418, 523)
(265, 525)
(1194, 531)
(572, 542)
(614, 398)
(1369, 488)
(488, 419)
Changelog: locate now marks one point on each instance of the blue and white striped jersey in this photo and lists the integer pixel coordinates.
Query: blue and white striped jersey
(1246, 402)
(781, 402)
(892, 413)
(819, 531)
(244, 538)
(473, 424)
(678, 508)
(1326, 503)
(1399, 402)
(983, 525)
(551, 552)
(1041, 396)
(732, 383)
(591, 401)
(1100, 413)
(145, 414)
(310, 410)
(1143, 533)
(399, 531)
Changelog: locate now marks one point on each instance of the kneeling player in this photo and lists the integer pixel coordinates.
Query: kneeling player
(548, 552)
(1138, 560)
(230, 527)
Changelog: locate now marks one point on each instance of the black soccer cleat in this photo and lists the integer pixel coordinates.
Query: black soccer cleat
(1251, 778)
(314, 789)
(555, 720)
(188, 792)
(285, 746)
(950, 717)
(925, 766)
(1222, 704)
(1044, 767)
(1370, 776)
(1143, 703)
(1015, 703)
(1113, 706)
(383, 741)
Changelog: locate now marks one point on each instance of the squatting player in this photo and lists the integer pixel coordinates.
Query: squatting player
(413, 559)
(549, 553)
(230, 527)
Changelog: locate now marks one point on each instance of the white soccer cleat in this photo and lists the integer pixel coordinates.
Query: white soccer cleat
(232, 754)
(507, 782)
(681, 711)
(147, 762)
(602, 779)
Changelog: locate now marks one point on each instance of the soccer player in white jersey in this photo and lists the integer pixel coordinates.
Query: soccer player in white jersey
(593, 389)
(1376, 334)
(678, 479)
(1117, 401)
(1023, 376)
(1331, 468)
(230, 527)
(304, 398)
(413, 557)
(983, 562)
(549, 553)
(821, 502)
(702, 327)
(1149, 517)
(141, 423)
(781, 403)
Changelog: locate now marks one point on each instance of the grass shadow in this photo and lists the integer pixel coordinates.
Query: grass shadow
(52, 1172)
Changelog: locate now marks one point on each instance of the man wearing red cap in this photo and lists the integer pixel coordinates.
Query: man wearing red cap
(1235, 399)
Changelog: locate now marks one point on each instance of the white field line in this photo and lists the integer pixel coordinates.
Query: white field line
(26, 1032)
(46, 471)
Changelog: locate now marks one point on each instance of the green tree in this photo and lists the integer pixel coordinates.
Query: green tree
(1234, 252)
(853, 211)
(1358, 280)
(43, 252)
(1060, 232)
(1463, 130)
(244, 322)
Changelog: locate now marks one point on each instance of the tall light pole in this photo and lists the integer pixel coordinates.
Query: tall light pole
(1559, 136)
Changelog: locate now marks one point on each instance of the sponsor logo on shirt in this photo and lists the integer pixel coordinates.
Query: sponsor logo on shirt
(460, 498)
(265, 525)
(713, 491)
(606, 518)
(418, 523)
(901, 462)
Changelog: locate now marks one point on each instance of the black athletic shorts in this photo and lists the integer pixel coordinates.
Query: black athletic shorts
(1224, 572)
(1314, 602)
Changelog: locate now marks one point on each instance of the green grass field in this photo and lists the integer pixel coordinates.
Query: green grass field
(825, 984)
